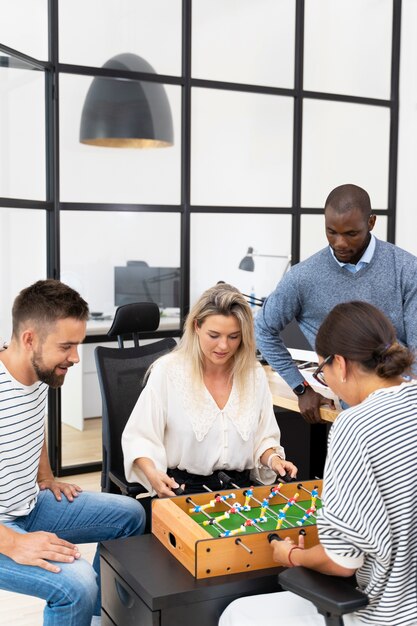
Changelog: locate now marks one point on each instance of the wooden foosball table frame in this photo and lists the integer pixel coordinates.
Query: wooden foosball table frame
(205, 556)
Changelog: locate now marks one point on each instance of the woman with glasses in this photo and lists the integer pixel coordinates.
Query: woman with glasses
(368, 523)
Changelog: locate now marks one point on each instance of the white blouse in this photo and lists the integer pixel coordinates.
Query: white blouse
(180, 426)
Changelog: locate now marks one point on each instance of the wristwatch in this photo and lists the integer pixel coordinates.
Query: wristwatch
(301, 388)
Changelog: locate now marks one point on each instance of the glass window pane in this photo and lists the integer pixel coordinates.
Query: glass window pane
(24, 27)
(313, 234)
(20, 265)
(81, 421)
(120, 175)
(22, 133)
(242, 41)
(241, 149)
(109, 27)
(93, 245)
(347, 47)
(216, 251)
(344, 143)
(105, 240)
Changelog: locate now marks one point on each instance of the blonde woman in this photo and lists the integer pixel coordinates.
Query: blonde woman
(206, 407)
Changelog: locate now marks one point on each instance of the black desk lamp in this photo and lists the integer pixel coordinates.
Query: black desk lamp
(248, 264)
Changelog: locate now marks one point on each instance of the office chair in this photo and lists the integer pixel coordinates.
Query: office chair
(121, 374)
(333, 596)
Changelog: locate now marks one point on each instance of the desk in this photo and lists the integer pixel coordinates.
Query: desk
(144, 585)
(81, 396)
(284, 397)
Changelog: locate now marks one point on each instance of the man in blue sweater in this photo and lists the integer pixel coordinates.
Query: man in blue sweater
(355, 266)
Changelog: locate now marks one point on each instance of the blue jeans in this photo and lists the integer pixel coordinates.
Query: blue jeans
(73, 595)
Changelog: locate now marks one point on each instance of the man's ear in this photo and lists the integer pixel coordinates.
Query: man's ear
(371, 221)
(28, 338)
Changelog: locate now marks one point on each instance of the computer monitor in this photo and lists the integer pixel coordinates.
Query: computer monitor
(137, 282)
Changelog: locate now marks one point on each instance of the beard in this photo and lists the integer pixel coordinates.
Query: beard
(47, 376)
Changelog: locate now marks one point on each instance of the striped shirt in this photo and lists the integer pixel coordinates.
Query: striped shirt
(369, 517)
(22, 419)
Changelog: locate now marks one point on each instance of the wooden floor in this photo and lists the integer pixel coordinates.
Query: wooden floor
(82, 446)
(18, 610)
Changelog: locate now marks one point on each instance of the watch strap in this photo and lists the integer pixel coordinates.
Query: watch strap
(300, 389)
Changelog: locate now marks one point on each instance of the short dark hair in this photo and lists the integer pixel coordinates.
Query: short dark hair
(47, 301)
(347, 197)
(360, 332)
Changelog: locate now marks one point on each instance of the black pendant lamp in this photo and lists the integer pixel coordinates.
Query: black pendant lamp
(123, 113)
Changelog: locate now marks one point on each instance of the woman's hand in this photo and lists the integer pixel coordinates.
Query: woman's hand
(159, 480)
(291, 554)
(162, 483)
(282, 467)
(282, 549)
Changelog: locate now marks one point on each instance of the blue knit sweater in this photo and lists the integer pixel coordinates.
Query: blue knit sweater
(313, 287)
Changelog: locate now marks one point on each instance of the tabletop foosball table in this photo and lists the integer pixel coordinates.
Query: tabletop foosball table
(214, 534)
(186, 572)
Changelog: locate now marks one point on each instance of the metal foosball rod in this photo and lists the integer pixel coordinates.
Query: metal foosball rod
(276, 492)
(213, 520)
(314, 494)
(238, 541)
(228, 481)
(236, 512)
(270, 510)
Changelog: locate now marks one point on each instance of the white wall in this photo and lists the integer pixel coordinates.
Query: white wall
(407, 154)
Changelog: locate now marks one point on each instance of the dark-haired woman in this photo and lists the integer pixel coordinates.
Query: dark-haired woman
(368, 524)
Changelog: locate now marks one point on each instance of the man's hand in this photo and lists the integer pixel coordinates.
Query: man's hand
(309, 404)
(38, 549)
(69, 490)
(46, 480)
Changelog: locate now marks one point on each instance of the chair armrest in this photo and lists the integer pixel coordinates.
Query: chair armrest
(333, 595)
(127, 489)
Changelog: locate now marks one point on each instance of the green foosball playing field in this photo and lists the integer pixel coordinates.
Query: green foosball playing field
(246, 514)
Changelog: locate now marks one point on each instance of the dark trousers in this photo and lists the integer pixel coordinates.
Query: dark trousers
(194, 483)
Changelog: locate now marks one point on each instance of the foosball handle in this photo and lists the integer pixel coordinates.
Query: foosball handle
(178, 491)
(224, 479)
(274, 537)
(285, 479)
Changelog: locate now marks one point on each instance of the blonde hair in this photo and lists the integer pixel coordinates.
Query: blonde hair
(222, 299)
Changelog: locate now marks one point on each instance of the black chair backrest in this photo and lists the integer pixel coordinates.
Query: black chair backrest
(134, 318)
(121, 376)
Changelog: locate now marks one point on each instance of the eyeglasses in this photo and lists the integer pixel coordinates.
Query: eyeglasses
(318, 373)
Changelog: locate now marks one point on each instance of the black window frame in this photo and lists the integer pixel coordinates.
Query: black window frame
(52, 69)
